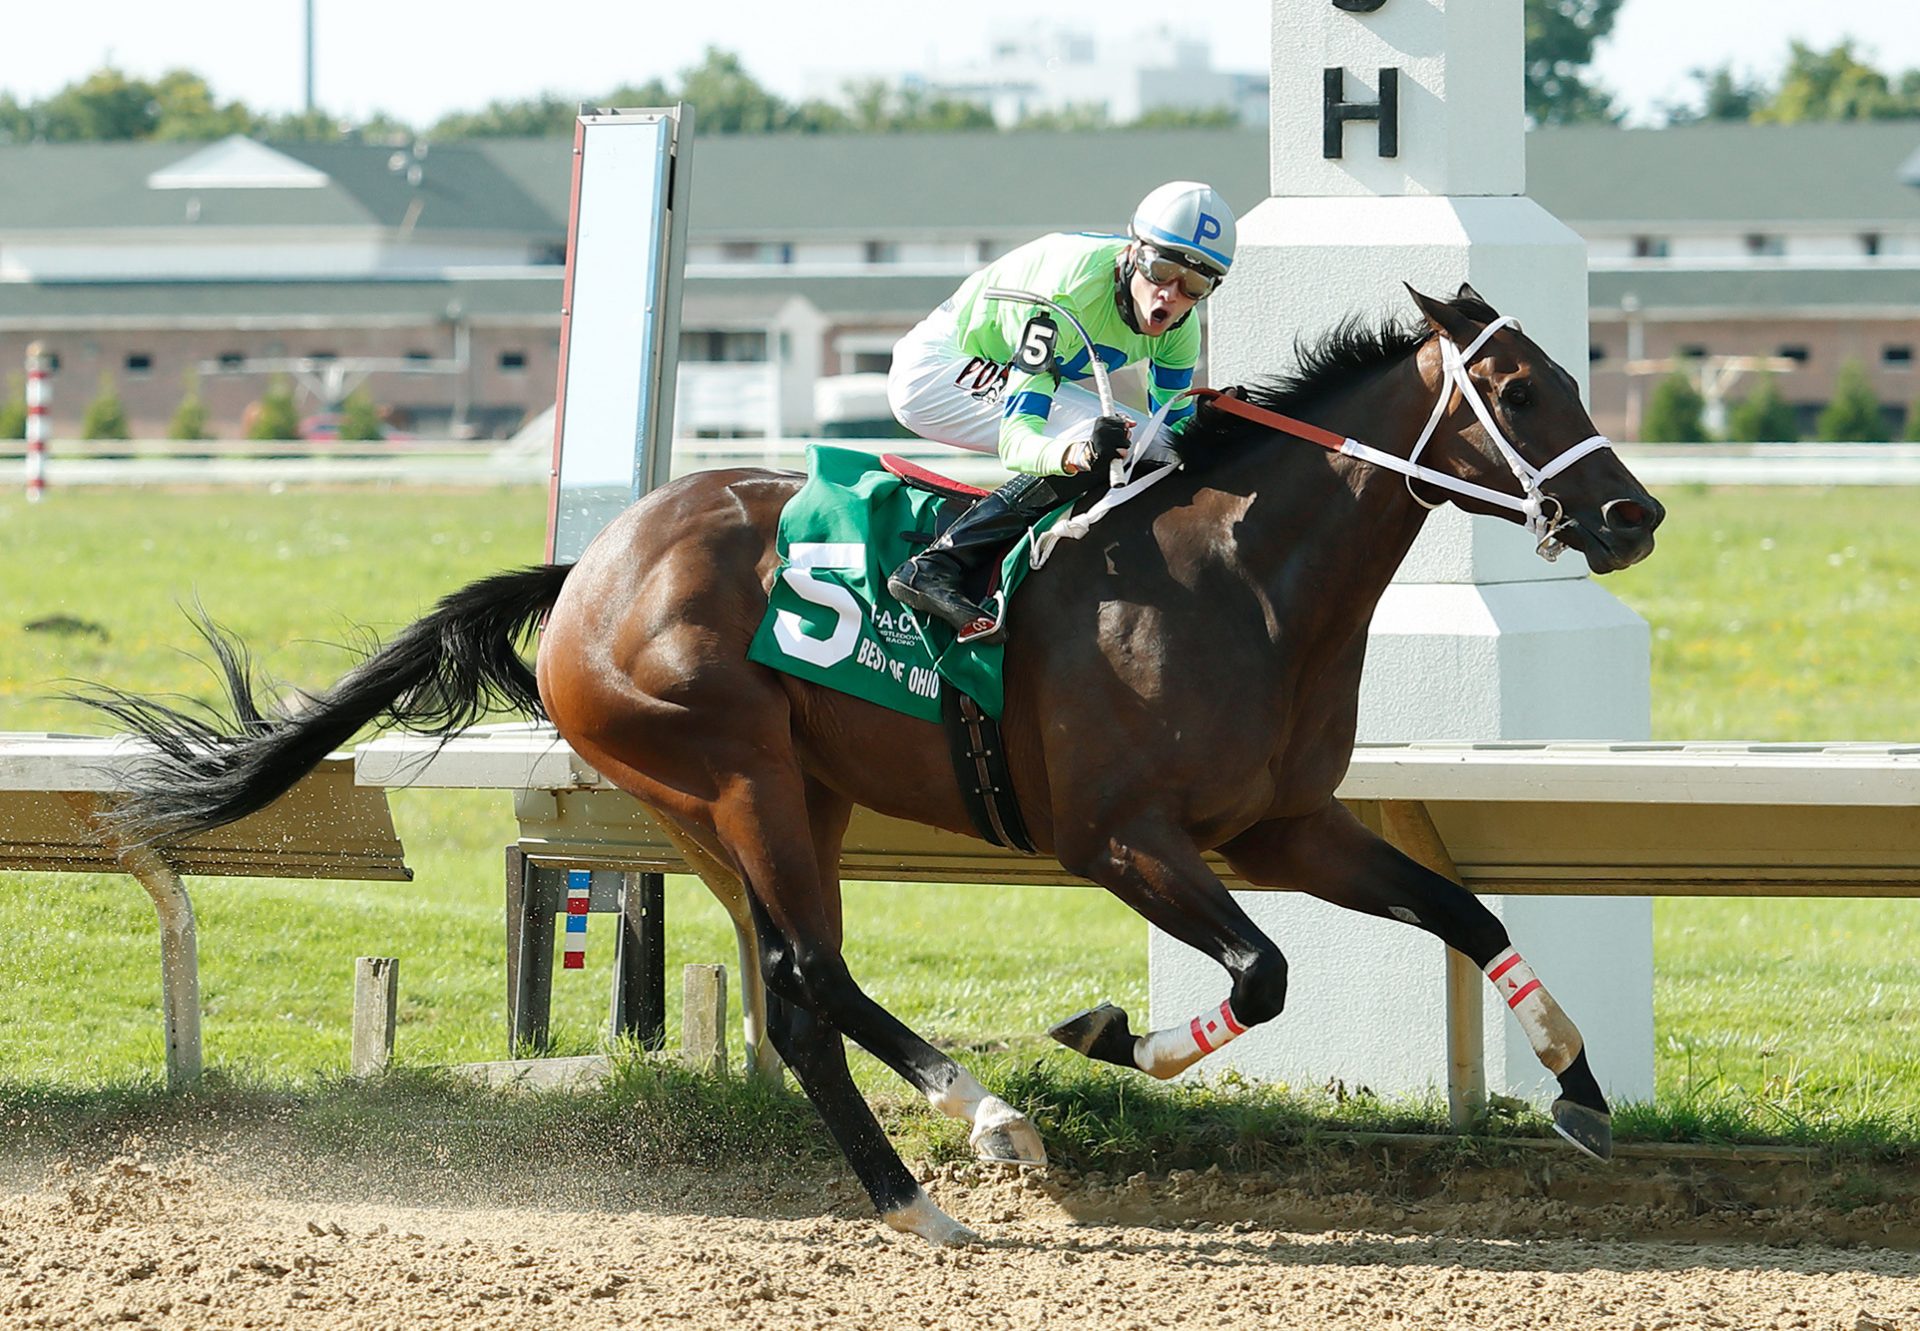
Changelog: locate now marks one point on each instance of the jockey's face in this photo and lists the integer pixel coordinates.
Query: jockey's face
(1157, 306)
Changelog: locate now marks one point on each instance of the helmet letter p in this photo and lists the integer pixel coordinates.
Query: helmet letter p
(1207, 229)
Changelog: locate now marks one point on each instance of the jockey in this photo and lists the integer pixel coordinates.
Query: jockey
(1000, 376)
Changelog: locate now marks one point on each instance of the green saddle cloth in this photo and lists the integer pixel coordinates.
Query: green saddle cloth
(829, 617)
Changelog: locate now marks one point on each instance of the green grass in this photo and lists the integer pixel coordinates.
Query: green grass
(1784, 1016)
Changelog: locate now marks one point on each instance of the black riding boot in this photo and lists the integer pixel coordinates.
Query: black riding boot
(934, 581)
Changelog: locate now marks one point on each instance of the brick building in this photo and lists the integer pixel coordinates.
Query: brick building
(809, 255)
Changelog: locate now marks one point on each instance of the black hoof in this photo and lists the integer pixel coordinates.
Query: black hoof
(1101, 1032)
(1588, 1129)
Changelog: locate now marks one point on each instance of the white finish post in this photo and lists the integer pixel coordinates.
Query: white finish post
(1477, 639)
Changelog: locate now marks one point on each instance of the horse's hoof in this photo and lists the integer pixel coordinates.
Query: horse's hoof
(1588, 1129)
(1100, 1032)
(921, 1218)
(1002, 1135)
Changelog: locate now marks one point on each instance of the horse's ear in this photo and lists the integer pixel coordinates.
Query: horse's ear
(1466, 293)
(1446, 318)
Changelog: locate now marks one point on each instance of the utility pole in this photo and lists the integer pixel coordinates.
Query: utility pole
(309, 57)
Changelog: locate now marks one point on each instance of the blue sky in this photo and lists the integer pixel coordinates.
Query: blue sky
(407, 57)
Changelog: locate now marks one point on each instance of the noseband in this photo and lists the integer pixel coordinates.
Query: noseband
(1532, 503)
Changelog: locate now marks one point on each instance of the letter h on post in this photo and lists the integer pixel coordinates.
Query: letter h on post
(1338, 111)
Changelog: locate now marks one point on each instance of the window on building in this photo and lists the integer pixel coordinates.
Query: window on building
(1649, 247)
(139, 362)
(1595, 353)
(232, 360)
(323, 355)
(717, 345)
(51, 359)
(988, 250)
(1870, 244)
(419, 355)
(1897, 356)
(740, 251)
(513, 362)
(1795, 352)
(882, 251)
(1762, 244)
(1691, 351)
(872, 362)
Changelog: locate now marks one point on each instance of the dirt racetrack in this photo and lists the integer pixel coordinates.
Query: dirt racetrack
(188, 1239)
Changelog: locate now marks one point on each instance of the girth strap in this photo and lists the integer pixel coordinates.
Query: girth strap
(980, 764)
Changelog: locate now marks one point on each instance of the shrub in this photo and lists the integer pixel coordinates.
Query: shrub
(13, 409)
(1763, 417)
(1675, 413)
(190, 417)
(359, 418)
(105, 418)
(1854, 415)
(274, 416)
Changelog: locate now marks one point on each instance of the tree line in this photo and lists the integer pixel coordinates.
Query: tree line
(111, 105)
(107, 105)
(1676, 413)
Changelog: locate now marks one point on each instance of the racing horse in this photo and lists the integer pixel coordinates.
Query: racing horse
(1187, 680)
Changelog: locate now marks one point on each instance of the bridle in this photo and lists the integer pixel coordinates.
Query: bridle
(1532, 503)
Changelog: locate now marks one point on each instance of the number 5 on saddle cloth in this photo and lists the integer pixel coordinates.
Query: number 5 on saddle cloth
(829, 616)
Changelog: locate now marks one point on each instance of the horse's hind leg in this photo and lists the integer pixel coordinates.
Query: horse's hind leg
(1331, 855)
(763, 1057)
(1153, 867)
(999, 1132)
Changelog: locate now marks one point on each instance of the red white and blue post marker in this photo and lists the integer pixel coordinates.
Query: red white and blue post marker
(37, 395)
(574, 955)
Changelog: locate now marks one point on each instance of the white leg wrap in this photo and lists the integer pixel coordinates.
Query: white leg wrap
(962, 1098)
(1552, 1034)
(1172, 1051)
(1000, 1132)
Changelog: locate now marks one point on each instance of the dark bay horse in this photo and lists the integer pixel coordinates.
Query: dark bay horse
(1185, 678)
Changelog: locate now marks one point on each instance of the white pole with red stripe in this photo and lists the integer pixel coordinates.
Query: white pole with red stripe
(38, 394)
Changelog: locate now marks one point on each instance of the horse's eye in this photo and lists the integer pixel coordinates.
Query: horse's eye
(1516, 394)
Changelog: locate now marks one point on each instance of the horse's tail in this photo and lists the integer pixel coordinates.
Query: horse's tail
(444, 672)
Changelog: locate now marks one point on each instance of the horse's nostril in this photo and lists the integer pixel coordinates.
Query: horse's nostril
(1625, 515)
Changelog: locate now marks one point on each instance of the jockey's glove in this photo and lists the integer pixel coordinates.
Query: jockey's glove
(1109, 440)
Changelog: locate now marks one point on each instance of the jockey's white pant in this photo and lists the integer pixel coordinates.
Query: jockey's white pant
(941, 393)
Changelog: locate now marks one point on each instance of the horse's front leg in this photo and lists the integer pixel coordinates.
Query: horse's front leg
(1154, 867)
(1331, 855)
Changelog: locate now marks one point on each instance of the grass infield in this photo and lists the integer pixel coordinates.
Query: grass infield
(1776, 615)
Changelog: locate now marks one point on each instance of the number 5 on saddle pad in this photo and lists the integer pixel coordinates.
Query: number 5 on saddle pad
(829, 618)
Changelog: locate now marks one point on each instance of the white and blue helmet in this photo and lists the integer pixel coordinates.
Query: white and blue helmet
(1188, 221)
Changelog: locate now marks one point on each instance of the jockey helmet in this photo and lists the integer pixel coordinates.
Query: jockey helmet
(1188, 221)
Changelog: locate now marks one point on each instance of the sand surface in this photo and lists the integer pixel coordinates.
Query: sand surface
(192, 1239)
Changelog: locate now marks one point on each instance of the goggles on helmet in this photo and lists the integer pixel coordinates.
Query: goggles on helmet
(1161, 269)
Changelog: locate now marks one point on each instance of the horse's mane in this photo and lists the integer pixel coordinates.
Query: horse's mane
(1350, 351)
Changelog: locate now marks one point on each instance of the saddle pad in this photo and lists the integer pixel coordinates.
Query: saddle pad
(829, 618)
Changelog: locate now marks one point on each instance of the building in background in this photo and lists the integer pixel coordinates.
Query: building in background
(1035, 71)
(809, 255)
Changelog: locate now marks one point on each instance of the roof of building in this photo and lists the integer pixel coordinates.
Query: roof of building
(800, 187)
(957, 186)
(1713, 174)
(1697, 293)
(46, 187)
